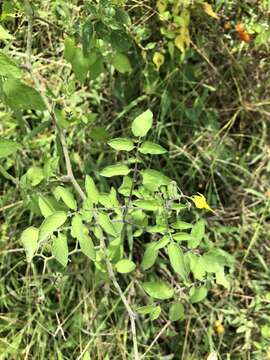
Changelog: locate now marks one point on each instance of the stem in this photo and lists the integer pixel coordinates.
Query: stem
(70, 175)
(131, 314)
(6, 175)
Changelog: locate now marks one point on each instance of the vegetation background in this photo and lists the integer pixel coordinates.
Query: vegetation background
(203, 70)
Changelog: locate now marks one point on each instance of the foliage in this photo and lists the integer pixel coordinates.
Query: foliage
(134, 161)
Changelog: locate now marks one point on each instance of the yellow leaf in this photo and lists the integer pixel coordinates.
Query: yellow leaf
(161, 5)
(209, 10)
(182, 41)
(200, 202)
(158, 59)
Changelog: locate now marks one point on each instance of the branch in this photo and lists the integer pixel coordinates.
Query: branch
(70, 175)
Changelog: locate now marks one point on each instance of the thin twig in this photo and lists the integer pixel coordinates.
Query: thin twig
(9, 206)
(6, 175)
(156, 338)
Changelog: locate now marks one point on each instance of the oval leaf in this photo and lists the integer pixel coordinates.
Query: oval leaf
(158, 290)
(115, 170)
(183, 237)
(8, 147)
(121, 63)
(52, 223)
(125, 266)
(8, 67)
(176, 312)
(197, 294)
(149, 205)
(177, 260)
(121, 144)
(149, 147)
(197, 232)
(142, 123)
(45, 206)
(181, 225)
(60, 249)
(149, 257)
(29, 239)
(62, 193)
(106, 224)
(91, 189)
(153, 179)
(79, 231)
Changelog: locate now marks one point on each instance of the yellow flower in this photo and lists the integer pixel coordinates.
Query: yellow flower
(158, 59)
(200, 202)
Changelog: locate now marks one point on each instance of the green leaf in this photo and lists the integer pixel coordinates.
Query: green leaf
(121, 63)
(213, 262)
(125, 188)
(113, 199)
(106, 224)
(80, 65)
(91, 189)
(79, 231)
(149, 205)
(149, 147)
(60, 249)
(155, 313)
(35, 175)
(21, 96)
(8, 67)
(149, 257)
(181, 225)
(157, 229)
(197, 294)
(121, 144)
(164, 241)
(46, 208)
(115, 170)
(86, 356)
(177, 260)
(265, 331)
(87, 210)
(105, 200)
(153, 179)
(8, 147)
(125, 266)
(158, 290)
(176, 312)
(147, 309)
(52, 223)
(122, 17)
(87, 37)
(120, 41)
(4, 34)
(69, 50)
(62, 193)
(197, 266)
(142, 123)
(197, 232)
(29, 239)
(96, 68)
(183, 237)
